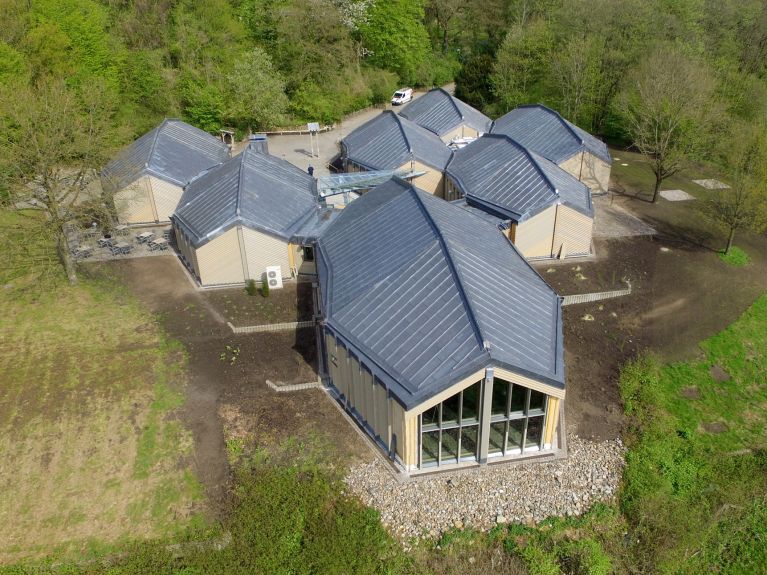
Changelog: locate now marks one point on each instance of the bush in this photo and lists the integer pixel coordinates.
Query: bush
(251, 288)
(265, 287)
(585, 557)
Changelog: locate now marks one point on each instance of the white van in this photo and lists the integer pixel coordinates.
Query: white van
(402, 96)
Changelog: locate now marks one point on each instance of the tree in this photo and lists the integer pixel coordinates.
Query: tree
(255, 91)
(521, 63)
(52, 140)
(744, 204)
(396, 38)
(668, 101)
(444, 13)
(577, 75)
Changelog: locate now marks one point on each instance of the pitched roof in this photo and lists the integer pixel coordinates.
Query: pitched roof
(498, 173)
(253, 189)
(545, 132)
(388, 141)
(174, 151)
(440, 112)
(403, 288)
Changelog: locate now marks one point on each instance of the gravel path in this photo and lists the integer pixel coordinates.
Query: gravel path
(481, 498)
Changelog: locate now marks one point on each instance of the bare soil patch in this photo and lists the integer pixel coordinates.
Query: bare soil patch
(691, 392)
(291, 303)
(715, 427)
(718, 373)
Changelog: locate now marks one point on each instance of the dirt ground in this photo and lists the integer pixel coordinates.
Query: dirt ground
(682, 294)
(291, 303)
(227, 395)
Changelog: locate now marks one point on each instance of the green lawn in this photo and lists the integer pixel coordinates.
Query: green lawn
(736, 257)
(92, 450)
(637, 176)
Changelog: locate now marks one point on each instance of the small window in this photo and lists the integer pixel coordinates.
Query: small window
(308, 254)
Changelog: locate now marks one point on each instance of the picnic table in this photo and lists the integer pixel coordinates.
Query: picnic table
(145, 237)
(158, 244)
(121, 248)
(105, 242)
(82, 252)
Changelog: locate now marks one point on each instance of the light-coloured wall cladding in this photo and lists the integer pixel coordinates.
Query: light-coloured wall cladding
(462, 131)
(534, 237)
(433, 181)
(262, 250)
(134, 203)
(590, 170)
(166, 197)
(220, 261)
(572, 233)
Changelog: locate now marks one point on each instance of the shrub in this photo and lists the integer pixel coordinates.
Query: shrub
(251, 288)
(585, 557)
(265, 287)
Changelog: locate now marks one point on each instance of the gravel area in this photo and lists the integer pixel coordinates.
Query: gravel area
(480, 498)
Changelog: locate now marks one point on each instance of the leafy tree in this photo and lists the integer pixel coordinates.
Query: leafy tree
(472, 83)
(577, 75)
(668, 101)
(521, 63)
(255, 92)
(203, 104)
(744, 204)
(52, 142)
(445, 14)
(13, 66)
(396, 37)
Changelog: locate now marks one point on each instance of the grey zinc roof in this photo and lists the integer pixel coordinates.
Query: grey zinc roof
(388, 141)
(545, 132)
(440, 112)
(428, 293)
(253, 189)
(499, 174)
(174, 151)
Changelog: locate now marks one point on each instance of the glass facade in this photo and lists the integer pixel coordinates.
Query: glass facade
(450, 431)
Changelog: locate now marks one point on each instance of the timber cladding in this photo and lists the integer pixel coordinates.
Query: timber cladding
(589, 169)
(220, 261)
(166, 197)
(572, 233)
(383, 418)
(534, 236)
(433, 181)
(134, 203)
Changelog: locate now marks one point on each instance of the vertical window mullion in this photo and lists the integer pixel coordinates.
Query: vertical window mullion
(460, 427)
(420, 440)
(527, 419)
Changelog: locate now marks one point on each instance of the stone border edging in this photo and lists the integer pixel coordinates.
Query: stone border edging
(590, 297)
(284, 326)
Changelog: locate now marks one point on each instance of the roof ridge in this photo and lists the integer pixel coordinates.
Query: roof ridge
(535, 163)
(452, 101)
(154, 141)
(239, 182)
(453, 268)
(402, 130)
(562, 120)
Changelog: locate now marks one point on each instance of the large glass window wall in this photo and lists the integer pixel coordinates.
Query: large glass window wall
(516, 420)
(450, 431)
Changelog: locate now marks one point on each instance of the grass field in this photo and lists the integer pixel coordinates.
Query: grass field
(637, 177)
(92, 451)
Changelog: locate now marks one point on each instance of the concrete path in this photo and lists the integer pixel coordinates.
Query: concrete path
(295, 148)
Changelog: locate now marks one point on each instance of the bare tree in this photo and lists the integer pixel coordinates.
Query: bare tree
(744, 205)
(668, 101)
(52, 141)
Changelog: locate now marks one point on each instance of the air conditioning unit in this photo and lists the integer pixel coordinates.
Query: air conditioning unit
(274, 277)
